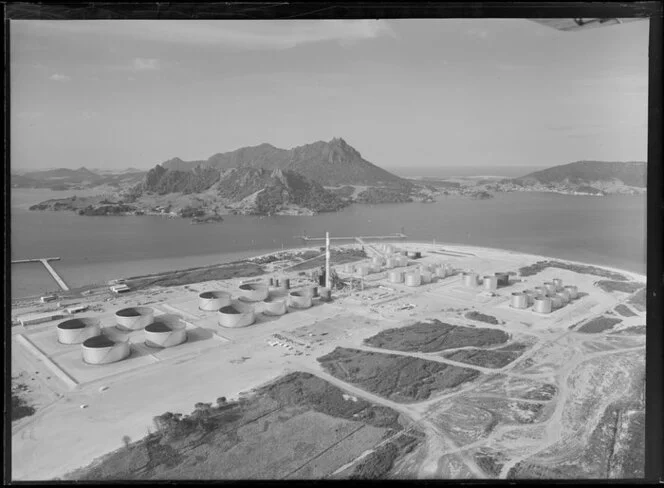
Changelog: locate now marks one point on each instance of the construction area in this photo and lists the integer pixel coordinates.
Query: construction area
(409, 360)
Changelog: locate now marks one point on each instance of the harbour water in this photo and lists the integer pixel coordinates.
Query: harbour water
(607, 231)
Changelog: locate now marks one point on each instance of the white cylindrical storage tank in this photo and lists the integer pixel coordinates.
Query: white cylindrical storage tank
(165, 331)
(503, 278)
(490, 282)
(413, 279)
(78, 330)
(542, 305)
(395, 276)
(558, 283)
(254, 292)
(426, 277)
(212, 301)
(550, 288)
(531, 294)
(564, 296)
(540, 290)
(375, 268)
(469, 279)
(440, 272)
(101, 349)
(390, 262)
(134, 318)
(299, 299)
(572, 290)
(363, 270)
(275, 305)
(519, 300)
(556, 302)
(377, 261)
(411, 254)
(237, 314)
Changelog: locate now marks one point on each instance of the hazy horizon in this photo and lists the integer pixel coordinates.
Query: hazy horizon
(410, 93)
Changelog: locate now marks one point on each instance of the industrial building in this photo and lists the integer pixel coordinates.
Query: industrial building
(134, 318)
(39, 318)
(78, 330)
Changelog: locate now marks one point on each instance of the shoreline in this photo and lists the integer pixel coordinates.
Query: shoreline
(406, 244)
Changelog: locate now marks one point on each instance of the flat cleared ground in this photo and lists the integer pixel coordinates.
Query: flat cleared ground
(527, 396)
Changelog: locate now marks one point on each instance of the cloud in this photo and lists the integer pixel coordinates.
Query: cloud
(145, 64)
(86, 114)
(236, 34)
(59, 77)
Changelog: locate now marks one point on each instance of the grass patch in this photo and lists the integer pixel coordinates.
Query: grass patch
(196, 275)
(286, 428)
(598, 324)
(624, 310)
(533, 269)
(484, 358)
(435, 336)
(480, 317)
(638, 300)
(20, 408)
(399, 378)
(622, 286)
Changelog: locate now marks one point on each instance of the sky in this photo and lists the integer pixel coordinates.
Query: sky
(419, 93)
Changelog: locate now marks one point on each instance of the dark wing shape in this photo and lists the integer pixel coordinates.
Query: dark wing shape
(582, 24)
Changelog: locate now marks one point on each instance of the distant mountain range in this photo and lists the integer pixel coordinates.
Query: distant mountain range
(590, 173)
(317, 177)
(67, 179)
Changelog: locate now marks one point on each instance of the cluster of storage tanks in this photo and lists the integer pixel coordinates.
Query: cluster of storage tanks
(109, 345)
(492, 282)
(546, 298)
(239, 309)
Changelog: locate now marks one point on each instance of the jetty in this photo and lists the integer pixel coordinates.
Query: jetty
(398, 235)
(49, 268)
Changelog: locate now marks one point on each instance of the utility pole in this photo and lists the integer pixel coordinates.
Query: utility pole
(328, 281)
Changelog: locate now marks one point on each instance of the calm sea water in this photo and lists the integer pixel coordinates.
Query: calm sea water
(609, 231)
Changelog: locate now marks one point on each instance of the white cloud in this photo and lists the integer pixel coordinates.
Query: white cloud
(86, 114)
(59, 77)
(238, 34)
(145, 64)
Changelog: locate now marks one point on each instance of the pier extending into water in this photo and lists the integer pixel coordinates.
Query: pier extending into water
(393, 236)
(48, 267)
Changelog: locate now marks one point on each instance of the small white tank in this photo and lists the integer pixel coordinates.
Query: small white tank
(426, 277)
(237, 314)
(441, 272)
(550, 288)
(104, 350)
(413, 279)
(564, 296)
(78, 330)
(275, 305)
(469, 280)
(134, 318)
(165, 331)
(542, 305)
(212, 301)
(556, 302)
(490, 282)
(377, 261)
(363, 270)
(558, 283)
(299, 299)
(395, 276)
(519, 300)
(253, 292)
(572, 290)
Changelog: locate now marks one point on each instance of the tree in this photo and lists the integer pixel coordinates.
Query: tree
(221, 401)
(127, 440)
